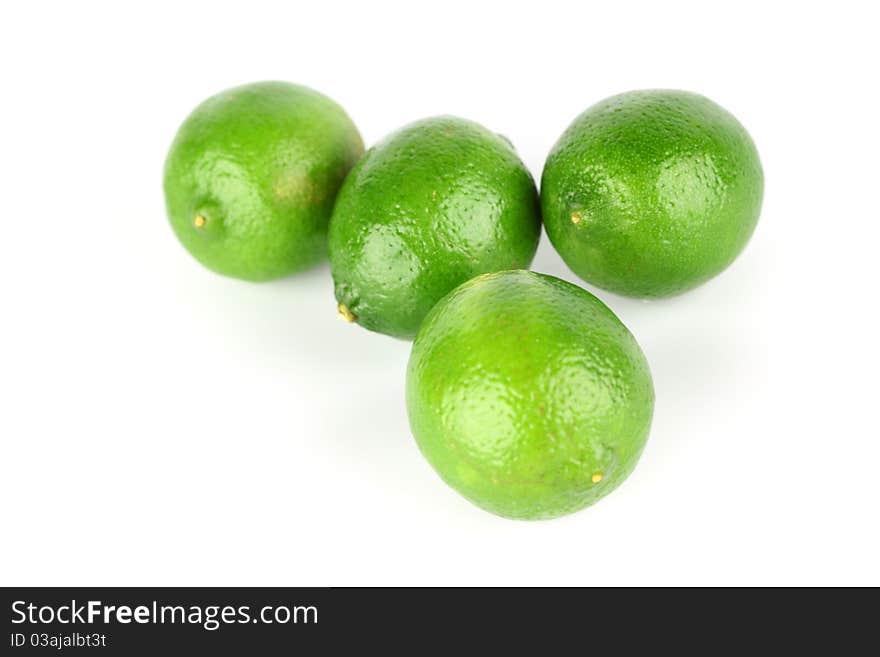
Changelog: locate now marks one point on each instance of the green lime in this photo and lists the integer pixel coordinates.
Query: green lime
(528, 395)
(423, 211)
(251, 178)
(651, 193)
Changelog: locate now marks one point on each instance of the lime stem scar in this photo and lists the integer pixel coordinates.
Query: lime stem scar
(576, 218)
(596, 478)
(345, 313)
(199, 221)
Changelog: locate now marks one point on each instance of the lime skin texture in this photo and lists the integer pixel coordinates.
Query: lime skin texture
(252, 175)
(651, 193)
(426, 209)
(527, 395)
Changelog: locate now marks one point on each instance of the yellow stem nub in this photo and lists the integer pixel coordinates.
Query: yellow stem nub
(576, 218)
(345, 313)
(199, 221)
(596, 478)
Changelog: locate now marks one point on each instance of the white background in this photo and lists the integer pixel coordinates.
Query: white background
(164, 425)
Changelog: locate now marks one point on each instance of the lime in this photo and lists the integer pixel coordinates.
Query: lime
(426, 209)
(252, 175)
(528, 395)
(651, 193)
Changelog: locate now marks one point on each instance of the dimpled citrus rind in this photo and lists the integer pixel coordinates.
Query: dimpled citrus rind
(424, 210)
(527, 395)
(651, 193)
(252, 175)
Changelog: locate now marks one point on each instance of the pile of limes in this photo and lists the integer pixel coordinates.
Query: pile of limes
(525, 392)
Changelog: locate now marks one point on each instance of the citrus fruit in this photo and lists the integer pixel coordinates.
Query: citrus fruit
(528, 395)
(251, 177)
(424, 210)
(651, 193)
